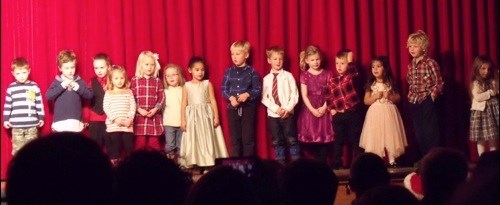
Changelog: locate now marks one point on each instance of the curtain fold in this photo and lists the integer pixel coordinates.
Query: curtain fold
(177, 30)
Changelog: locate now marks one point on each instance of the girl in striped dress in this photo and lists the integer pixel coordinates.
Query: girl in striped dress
(149, 97)
(119, 106)
(484, 110)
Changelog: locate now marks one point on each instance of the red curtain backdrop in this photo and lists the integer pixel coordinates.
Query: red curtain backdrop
(177, 30)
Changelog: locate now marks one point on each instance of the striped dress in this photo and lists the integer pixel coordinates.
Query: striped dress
(23, 105)
(119, 104)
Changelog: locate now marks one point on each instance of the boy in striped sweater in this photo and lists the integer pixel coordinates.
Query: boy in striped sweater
(23, 109)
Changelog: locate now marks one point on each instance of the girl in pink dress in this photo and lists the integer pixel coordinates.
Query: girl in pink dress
(314, 122)
(383, 129)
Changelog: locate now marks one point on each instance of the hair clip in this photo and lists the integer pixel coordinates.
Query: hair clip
(156, 56)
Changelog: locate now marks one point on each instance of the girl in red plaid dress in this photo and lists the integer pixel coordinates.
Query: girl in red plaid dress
(149, 96)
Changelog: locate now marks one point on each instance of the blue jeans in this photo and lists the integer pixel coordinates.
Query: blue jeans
(172, 139)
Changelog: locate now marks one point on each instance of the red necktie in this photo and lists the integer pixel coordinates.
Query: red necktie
(275, 90)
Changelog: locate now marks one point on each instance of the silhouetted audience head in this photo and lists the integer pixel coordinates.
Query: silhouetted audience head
(265, 181)
(368, 170)
(442, 171)
(387, 195)
(222, 185)
(148, 177)
(61, 168)
(483, 186)
(309, 182)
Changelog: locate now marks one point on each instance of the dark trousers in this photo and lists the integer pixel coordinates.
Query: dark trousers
(284, 138)
(282, 131)
(97, 131)
(242, 130)
(426, 125)
(347, 127)
(120, 141)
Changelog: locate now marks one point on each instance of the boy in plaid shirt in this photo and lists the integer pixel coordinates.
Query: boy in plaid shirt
(425, 85)
(343, 99)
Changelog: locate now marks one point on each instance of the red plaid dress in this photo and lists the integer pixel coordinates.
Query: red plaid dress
(148, 94)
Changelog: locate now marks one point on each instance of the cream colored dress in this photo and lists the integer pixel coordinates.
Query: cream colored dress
(201, 144)
(383, 127)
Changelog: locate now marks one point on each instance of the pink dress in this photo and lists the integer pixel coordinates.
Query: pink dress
(383, 127)
(312, 129)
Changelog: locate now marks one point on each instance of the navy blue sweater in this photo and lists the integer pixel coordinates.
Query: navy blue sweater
(68, 103)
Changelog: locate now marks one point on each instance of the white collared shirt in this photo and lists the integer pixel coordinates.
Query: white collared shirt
(288, 93)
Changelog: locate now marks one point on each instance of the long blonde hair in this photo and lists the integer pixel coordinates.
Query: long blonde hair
(177, 68)
(116, 69)
(142, 56)
(310, 50)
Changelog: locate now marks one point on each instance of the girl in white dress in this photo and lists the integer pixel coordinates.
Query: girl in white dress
(383, 128)
(202, 141)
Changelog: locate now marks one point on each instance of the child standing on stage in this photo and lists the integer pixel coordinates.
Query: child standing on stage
(97, 117)
(280, 95)
(202, 141)
(484, 110)
(67, 92)
(314, 123)
(23, 108)
(149, 96)
(120, 107)
(383, 128)
(241, 87)
(425, 85)
(345, 107)
(173, 82)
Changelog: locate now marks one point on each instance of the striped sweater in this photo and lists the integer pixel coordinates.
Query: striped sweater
(23, 105)
(119, 104)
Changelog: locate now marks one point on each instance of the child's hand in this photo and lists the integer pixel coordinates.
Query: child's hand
(118, 122)
(379, 94)
(243, 97)
(127, 122)
(40, 123)
(280, 112)
(234, 101)
(152, 112)
(350, 56)
(183, 125)
(216, 121)
(7, 125)
(333, 112)
(322, 109)
(321, 112)
(285, 114)
(316, 113)
(65, 84)
(142, 112)
(74, 85)
(492, 92)
(386, 94)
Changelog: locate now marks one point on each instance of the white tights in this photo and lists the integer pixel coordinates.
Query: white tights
(480, 146)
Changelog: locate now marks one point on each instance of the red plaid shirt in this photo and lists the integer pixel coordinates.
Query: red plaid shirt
(342, 93)
(424, 79)
(148, 94)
